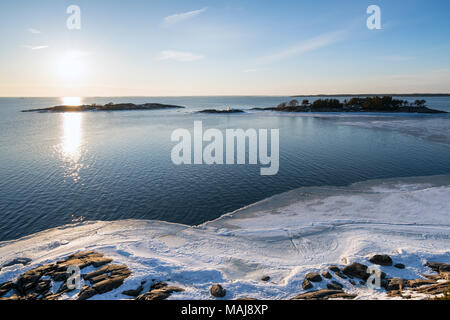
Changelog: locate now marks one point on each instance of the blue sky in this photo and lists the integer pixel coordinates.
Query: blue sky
(257, 47)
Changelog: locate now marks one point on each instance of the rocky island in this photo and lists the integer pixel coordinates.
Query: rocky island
(107, 107)
(367, 104)
(221, 111)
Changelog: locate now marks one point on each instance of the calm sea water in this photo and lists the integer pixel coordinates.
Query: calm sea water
(61, 168)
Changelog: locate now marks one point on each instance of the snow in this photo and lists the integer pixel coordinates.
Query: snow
(433, 128)
(283, 237)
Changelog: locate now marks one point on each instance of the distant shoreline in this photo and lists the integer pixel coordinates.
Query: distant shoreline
(375, 95)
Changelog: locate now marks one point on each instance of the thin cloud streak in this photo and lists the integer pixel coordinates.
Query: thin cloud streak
(34, 31)
(180, 17)
(321, 41)
(179, 56)
(35, 47)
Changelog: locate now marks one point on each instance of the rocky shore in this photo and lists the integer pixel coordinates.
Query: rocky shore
(107, 107)
(100, 275)
(385, 104)
(221, 111)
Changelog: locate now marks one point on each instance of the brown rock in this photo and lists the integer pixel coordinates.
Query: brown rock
(435, 289)
(5, 287)
(326, 275)
(22, 261)
(438, 266)
(265, 278)
(419, 282)
(381, 259)
(133, 292)
(334, 268)
(218, 291)
(356, 270)
(334, 285)
(313, 277)
(98, 278)
(306, 285)
(341, 275)
(395, 284)
(59, 276)
(158, 285)
(324, 294)
(108, 284)
(160, 294)
(86, 293)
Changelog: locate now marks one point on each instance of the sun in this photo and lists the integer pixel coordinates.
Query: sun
(71, 66)
(71, 101)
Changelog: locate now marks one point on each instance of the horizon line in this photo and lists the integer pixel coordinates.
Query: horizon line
(246, 95)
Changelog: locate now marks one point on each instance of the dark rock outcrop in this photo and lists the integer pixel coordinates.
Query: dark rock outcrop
(133, 292)
(324, 294)
(221, 111)
(218, 291)
(313, 277)
(334, 285)
(306, 285)
(381, 259)
(107, 107)
(356, 270)
(159, 291)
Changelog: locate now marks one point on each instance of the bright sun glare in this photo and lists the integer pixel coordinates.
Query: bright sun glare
(71, 101)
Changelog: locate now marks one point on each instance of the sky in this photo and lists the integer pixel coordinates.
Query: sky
(192, 48)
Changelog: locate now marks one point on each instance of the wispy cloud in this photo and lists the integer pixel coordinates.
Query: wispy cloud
(35, 47)
(397, 58)
(180, 17)
(179, 56)
(309, 45)
(34, 31)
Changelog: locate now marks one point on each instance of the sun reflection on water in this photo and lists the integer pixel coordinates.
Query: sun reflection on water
(71, 141)
(72, 133)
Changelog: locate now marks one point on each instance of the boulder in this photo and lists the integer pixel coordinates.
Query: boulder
(326, 275)
(313, 277)
(218, 291)
(356, 270)
(381, 259)
(306, 285)
(334, 285)
(265, 278)
(334, 268)
(399, 266)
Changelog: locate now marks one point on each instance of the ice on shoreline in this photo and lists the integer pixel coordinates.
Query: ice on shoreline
(283, 237)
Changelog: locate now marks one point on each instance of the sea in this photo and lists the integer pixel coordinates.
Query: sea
(64, 168)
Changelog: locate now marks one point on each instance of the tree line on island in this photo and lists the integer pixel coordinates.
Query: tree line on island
(356, 104)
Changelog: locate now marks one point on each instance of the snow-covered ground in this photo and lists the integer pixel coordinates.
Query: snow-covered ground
(283, 237)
